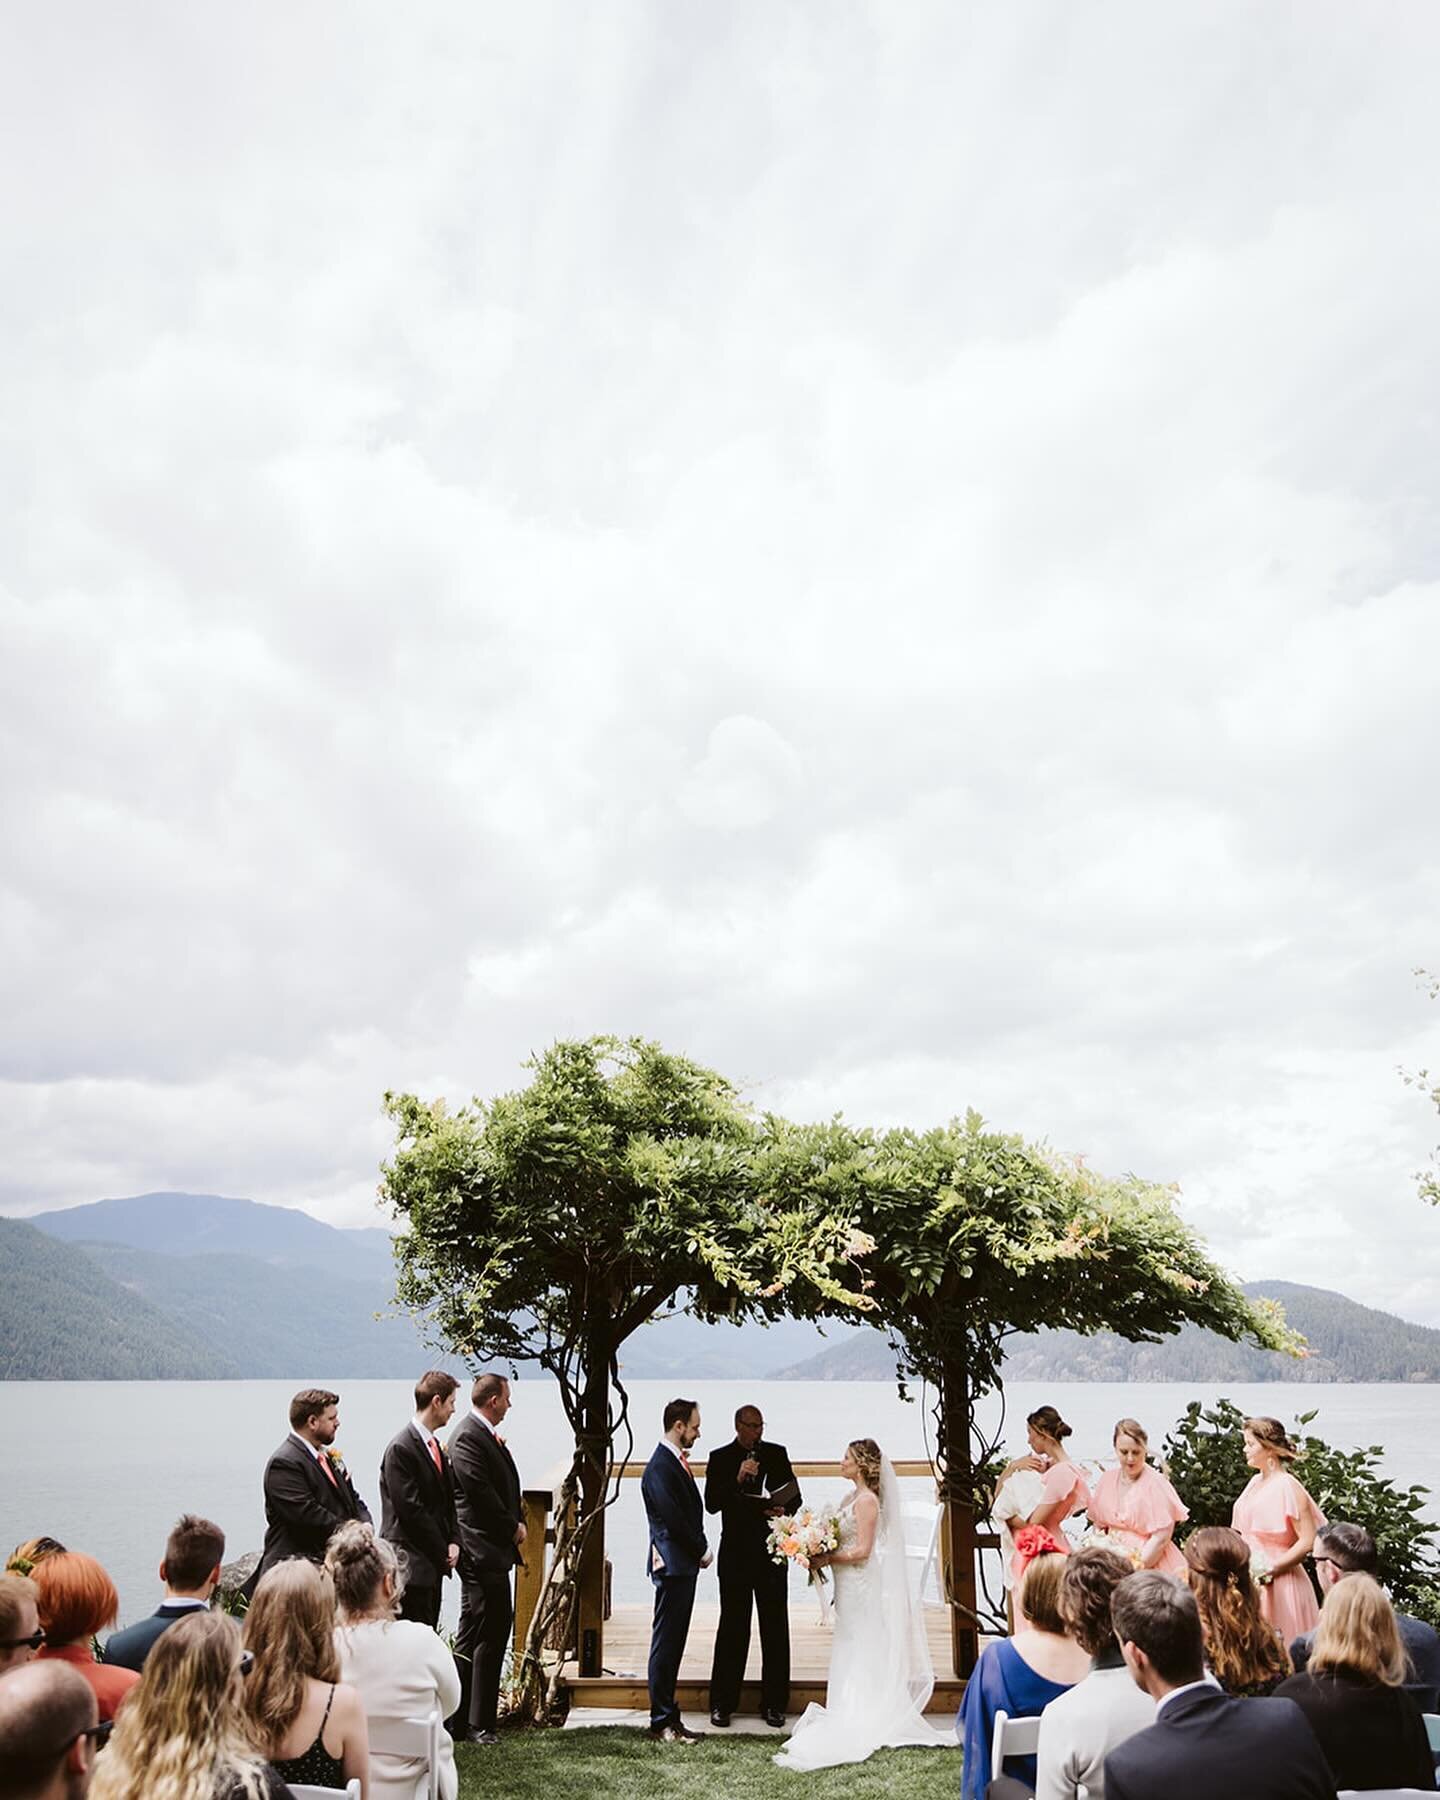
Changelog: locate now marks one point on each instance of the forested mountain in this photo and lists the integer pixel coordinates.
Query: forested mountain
(1346, 1342)
(63, 1319)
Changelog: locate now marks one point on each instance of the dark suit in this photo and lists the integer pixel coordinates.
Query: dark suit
(128, 1649)
(303, 1505)
(677, 1549)
(487, 1512)
(417, 1515)
(1422, 1646)
(1204, 1744)
(748, 1574)
(1372, 1736)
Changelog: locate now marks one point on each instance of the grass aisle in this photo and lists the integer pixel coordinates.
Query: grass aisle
(605, 1760)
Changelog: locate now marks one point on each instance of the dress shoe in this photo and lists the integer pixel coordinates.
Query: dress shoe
(480, 1737)
(674, 1734)
(719, 1719)
(774, 1717)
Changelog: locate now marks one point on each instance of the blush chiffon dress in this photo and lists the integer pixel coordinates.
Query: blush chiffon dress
(1267, 1515)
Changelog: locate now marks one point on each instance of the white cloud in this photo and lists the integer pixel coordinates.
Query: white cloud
(896, 552)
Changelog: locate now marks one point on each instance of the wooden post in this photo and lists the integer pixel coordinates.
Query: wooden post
(595, 1442)
(530, 1576)
(957, 1539)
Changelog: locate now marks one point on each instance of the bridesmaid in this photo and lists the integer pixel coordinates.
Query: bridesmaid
(1137, 1506)
(1063, 1488)
(1278, 1520)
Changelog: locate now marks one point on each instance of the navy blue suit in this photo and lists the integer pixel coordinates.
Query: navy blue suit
(677, 1549)
(1206, 1743)
(128, 1649)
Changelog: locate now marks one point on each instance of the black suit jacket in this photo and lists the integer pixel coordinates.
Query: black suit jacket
(1206, 1743)
(744, 1523)
(487, 1498)
(417, 1506)
(302, 1507)
(1372, 1736)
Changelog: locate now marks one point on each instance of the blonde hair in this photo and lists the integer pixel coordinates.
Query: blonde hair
(179, 1734)
(1038, 1597)
(291, 1629)
(357, 1562)
(867, 1454)
(1130, 1428)
(1357, 1634)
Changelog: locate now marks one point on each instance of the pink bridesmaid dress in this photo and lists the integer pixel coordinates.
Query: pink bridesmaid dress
(1133, 1511)
(1062, 1481)
(1266, 1516)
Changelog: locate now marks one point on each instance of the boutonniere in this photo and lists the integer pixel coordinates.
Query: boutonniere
(337, 1461)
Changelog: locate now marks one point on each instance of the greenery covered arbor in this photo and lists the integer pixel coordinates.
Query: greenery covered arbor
(548, 1224)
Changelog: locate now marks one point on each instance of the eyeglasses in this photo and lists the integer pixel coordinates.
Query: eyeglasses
(99, 1735)
(1329, 1559)
(33, 1642)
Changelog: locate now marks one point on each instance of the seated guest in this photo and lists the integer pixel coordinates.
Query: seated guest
(1342, 1550)
(48, 1727)
(298, 1713)
(181, 1736)
(1352, 1692)
(20, 1633)
(1242, 1650)
(1080, 1729)
(399, 1667)
(1020, 1676)
(1204, 1744)
(77, 1600)
(190, 1570)
(23, 1558)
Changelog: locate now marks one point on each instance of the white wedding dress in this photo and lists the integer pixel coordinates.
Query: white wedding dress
(881, 1676)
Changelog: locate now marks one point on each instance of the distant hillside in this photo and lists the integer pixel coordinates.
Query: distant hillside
(1347, 1342)
(273, 1321)
(191, 1224)
(63, 1319)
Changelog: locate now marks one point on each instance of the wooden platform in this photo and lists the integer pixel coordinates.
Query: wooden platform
(627, 1649)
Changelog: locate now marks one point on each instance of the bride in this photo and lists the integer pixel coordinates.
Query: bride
(881, 1676)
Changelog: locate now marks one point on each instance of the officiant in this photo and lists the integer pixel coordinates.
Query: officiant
(748, 1482)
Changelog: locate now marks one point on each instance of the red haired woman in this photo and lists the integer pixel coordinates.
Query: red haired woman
(77, 1599)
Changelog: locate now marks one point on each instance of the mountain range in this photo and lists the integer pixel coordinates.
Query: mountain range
(172, 1286)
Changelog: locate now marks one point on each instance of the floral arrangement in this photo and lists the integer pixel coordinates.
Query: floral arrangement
(1260, 1571)
(1096, 1539)
(797, 1537)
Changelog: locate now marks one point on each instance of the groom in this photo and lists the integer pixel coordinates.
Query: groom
(678, 1552)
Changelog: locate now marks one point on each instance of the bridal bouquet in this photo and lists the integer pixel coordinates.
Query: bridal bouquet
(1260, 1571)
(1096, 1539)
(796, 1537)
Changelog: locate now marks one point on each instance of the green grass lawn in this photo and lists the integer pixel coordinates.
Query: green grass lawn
(604, 1760)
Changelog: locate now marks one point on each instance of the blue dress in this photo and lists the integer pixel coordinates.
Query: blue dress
(1003, 1682)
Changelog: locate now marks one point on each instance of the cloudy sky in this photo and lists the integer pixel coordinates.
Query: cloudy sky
(894, 548)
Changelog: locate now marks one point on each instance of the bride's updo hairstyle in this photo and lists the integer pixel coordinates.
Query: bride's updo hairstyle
(867, 1459)
(1048, 1422)
(358, 1562)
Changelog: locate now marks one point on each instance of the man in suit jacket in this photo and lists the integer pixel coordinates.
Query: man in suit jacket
(492, 1534)
(190, 1570)
(417, 1498)
(678, 1551)
(1203, 1742)
(747, 1483)
(308, 1490)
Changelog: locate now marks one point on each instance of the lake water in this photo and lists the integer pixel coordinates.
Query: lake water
(108, 1466)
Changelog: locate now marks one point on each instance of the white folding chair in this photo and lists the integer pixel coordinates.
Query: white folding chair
(1432, 1731)
(303, 1791)
(1082, 1792)
(1013, 1737)
(414, 1741)
(1380, 1793)
(923, 1545)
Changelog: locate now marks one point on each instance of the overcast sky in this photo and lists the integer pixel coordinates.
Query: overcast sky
(893, 548)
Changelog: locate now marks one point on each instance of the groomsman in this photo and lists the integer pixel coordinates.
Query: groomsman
(308, 1490)
(747, 1482)
(417, 1498)
(492, 1534)
(678, 1551)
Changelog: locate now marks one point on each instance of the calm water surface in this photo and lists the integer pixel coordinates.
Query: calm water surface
(108, 1466)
